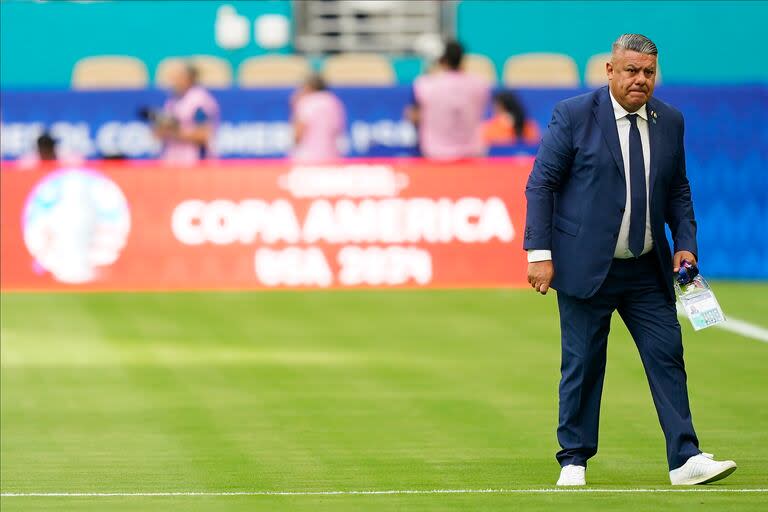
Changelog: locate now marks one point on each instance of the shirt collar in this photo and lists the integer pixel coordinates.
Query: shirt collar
(619, 111)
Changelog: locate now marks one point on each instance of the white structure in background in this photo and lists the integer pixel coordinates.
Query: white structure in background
(271, 31)
(375, 6)
(369, 26)
(232, 30)
(430, 46)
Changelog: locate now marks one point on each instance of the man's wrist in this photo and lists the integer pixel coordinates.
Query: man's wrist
(536, 255)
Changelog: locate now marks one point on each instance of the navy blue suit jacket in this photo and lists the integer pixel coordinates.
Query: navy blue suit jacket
(577, 191)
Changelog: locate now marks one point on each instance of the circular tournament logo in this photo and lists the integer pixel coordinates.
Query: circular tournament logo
(75, 221)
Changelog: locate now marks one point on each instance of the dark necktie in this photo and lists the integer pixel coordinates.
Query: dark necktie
(637, 189)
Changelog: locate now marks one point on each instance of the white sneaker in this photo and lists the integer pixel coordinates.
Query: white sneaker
(572, 475)
(701, 469)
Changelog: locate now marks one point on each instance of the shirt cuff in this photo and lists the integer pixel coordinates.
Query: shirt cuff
(535, 255)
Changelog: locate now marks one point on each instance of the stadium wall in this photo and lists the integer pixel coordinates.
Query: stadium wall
(726, 141)
(41, 41)
(699, 42)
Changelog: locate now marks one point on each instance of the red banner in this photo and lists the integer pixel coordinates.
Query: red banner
(264, 224)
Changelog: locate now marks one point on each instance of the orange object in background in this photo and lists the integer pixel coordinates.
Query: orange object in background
(264, 224)
(500, 130)
(509, 123)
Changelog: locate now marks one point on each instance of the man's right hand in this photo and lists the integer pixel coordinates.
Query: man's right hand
(540, 274)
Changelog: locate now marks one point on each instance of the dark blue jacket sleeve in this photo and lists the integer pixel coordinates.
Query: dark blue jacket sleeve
(679, 211)
(553, 163)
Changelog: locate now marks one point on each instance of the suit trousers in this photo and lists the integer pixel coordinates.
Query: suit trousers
(634, 288)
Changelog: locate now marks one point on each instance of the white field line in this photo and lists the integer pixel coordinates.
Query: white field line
(741, 327)
(745, 329)
(372, 493)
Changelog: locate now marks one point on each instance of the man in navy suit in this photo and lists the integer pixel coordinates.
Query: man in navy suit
(610, 173)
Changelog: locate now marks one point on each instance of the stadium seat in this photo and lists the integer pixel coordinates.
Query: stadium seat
(358, 69)
(480, 65)
(214, 72)
(109, 72)
(273, 71)
(541, 70)
(594, 76)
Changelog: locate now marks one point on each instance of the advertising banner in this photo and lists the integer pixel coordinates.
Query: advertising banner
(264, 224)
(254, 123)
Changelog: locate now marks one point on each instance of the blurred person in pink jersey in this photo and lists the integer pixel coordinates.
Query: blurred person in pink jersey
(449, 107)
(188, 121)
(318, 121)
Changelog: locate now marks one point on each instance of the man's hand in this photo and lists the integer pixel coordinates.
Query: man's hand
(676, 260)
(540, 274)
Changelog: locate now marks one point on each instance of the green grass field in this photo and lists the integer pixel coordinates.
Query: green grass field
(329, 391)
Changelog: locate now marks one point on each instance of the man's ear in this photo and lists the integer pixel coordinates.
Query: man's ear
(609, 70)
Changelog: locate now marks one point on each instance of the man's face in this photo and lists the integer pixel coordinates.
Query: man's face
(631, 77)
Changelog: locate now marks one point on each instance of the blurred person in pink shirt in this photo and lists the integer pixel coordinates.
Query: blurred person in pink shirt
(449, 107)
(188, 121)
(318, 121)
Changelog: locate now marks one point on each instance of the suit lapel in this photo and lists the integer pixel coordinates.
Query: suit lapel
(603, 111)
(654, 136)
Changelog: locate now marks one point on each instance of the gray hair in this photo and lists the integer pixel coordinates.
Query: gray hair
(636, 43)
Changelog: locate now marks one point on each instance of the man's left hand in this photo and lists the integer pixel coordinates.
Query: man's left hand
(680, 256)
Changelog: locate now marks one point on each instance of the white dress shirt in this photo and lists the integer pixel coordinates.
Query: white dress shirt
(622, 244)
